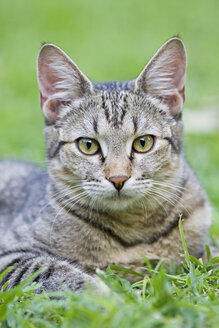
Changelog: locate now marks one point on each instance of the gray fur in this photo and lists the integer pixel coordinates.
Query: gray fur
(71, 220)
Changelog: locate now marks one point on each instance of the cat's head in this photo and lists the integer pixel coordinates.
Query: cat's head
(113, 144)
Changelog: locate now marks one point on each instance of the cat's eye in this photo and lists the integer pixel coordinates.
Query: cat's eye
(88, 146)
(143, 144)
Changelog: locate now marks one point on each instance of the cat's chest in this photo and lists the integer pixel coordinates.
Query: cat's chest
(132, 258)
(93, 254)
(92, 248)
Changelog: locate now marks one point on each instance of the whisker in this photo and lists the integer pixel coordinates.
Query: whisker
(63, 207)
(172, 186)
(170, 200)
(159, 203)
(175, 196)
(64, 194)
(72, 199)
(159, 192)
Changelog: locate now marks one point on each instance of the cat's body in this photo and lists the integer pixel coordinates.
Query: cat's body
(112, 205)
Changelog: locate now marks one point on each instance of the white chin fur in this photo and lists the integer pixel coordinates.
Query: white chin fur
(116, 201)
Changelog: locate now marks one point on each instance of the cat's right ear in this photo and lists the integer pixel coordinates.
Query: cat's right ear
(60, 81)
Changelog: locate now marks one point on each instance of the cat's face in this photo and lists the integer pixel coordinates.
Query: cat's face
(111, 148)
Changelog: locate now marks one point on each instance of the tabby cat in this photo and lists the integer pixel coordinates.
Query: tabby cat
(117, 179)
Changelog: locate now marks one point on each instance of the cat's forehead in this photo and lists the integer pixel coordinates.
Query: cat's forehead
(122, 112)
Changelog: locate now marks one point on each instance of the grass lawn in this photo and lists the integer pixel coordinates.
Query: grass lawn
(112, 40)
(174, 299)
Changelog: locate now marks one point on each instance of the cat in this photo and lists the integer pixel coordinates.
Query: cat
(117, 179)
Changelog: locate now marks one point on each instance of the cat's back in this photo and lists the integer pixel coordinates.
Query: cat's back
(22, 186)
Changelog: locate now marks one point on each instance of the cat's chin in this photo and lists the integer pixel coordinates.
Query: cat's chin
(118, 202)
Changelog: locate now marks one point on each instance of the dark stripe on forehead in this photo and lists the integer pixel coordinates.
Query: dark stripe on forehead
(95, 125)
(123, 115)
(106, 110)
(115, 107)
(135, 123)
(115, 118)
(124, 107)
(103, 101)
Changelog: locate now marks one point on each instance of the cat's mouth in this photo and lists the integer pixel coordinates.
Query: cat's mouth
(108, 197)
(117, 200)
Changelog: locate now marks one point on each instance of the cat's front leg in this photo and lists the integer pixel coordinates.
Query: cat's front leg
(57, 274)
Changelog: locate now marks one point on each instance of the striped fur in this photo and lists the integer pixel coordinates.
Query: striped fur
(72, 220)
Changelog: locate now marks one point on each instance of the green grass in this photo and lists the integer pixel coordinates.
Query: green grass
(112, 40)
(186, 298)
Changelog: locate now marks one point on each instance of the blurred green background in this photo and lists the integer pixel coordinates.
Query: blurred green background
(109, 40)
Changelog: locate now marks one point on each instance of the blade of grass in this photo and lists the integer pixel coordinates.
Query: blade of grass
(188, 262)
(125, 270)
(208, 252)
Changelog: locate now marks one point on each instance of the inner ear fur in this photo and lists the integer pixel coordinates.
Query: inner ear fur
(165, 74)
(60, 81)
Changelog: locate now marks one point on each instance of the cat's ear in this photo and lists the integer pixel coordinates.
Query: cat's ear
(60, 81)
(164, 76)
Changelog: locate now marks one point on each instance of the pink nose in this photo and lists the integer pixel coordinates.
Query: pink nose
(118, 181)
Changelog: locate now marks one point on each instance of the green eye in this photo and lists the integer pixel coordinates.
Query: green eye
(88, 146)
(143, 144)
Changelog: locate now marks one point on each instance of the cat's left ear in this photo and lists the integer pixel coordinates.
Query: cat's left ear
(165, 74)
(60, 81)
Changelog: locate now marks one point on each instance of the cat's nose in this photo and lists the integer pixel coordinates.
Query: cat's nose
(118, 181)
